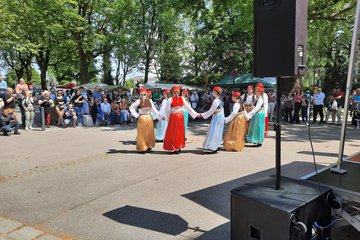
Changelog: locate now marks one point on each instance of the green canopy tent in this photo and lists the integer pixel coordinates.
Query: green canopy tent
(243, 80)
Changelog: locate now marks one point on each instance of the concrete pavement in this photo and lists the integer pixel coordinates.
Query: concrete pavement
(89, 183)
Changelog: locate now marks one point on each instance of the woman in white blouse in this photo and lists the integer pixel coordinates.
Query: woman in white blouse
(214, 136)
(145, 125)
(257, 116)
(234, 137)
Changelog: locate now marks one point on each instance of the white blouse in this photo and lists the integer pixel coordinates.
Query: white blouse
(142, 111)
(233, 114)
(212, 110)
(257, 108)
(186, 105)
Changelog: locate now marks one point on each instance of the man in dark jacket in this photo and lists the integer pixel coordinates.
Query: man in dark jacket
(8, 122)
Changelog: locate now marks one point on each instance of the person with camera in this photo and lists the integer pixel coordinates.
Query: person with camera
(59, 106)
(70, 116)
(9, 99)
(28, 104)
(46, 102)
(8, 122)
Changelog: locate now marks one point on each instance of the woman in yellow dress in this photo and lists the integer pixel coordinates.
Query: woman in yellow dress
(145, 125)
(234, 137)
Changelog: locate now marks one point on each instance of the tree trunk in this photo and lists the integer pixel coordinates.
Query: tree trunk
(84, 65)
(147, 66)
(106, 67)
(42, 60)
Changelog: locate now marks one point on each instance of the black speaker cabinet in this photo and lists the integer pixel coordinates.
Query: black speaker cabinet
(280, 28)
(259, 212)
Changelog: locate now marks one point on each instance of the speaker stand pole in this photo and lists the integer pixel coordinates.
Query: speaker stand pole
(349, 82)
(277, 128)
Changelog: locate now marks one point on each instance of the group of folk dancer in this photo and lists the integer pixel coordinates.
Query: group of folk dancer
(247, 120)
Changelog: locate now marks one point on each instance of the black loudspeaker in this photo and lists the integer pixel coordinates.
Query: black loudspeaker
(259, 212)
(280, 28)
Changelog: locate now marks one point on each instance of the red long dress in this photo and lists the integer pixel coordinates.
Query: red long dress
(175, 132)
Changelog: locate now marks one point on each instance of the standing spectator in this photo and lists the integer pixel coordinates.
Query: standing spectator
(29, 106)
(128, 95)
(70, 116)
(289, 106)
(106, 110)
(3, 86)
(46, 102)
(331, 109)
(355, 106)
(339, 97)
(78, 101)
(304, 108)
(319, 97)
(107, 94)
(52, 85)
(20, 89)
(297, 105)
(53, 94)
(9, 99)
(59, 106)
(272, 104)
(97, 94)
(8, 122)
(194, 99)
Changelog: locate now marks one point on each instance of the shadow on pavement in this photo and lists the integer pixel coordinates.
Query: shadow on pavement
(148, 219)
(128, 142)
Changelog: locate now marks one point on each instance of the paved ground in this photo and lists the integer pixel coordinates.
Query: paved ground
(89, 183)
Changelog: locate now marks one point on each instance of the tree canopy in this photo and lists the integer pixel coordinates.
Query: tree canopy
(187, 41)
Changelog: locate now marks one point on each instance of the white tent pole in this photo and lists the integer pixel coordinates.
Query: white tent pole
(350, 78)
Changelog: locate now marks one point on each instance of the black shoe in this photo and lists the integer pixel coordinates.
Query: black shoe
(17, 133)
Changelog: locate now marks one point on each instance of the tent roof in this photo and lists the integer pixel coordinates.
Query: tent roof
(168, 86)
(242, 80)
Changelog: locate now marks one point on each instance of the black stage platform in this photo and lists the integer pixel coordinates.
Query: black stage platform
(346, 188)
(349, 181)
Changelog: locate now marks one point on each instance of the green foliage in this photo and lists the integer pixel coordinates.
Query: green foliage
(105, 40)
(129, 84)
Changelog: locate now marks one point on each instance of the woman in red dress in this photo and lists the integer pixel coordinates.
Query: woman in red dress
(175, 133)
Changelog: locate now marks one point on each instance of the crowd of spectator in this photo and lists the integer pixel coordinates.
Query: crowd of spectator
(101, 107)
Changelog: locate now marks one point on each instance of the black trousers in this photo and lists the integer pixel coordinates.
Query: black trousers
(318, 109)
(297, 107)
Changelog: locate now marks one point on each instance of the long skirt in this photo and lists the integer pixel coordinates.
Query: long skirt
(186, 120)
(145, 133)
(175, 132)
(234, 137)
(161, 127)
(215, 134)
(257, 128)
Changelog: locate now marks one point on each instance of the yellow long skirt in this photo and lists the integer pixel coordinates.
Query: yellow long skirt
(145, 133)
(234, 137)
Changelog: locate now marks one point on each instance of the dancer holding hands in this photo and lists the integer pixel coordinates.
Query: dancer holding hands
(174, 139)
(257, 116)
(214, 136)
(145, 125)
(234, 137)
